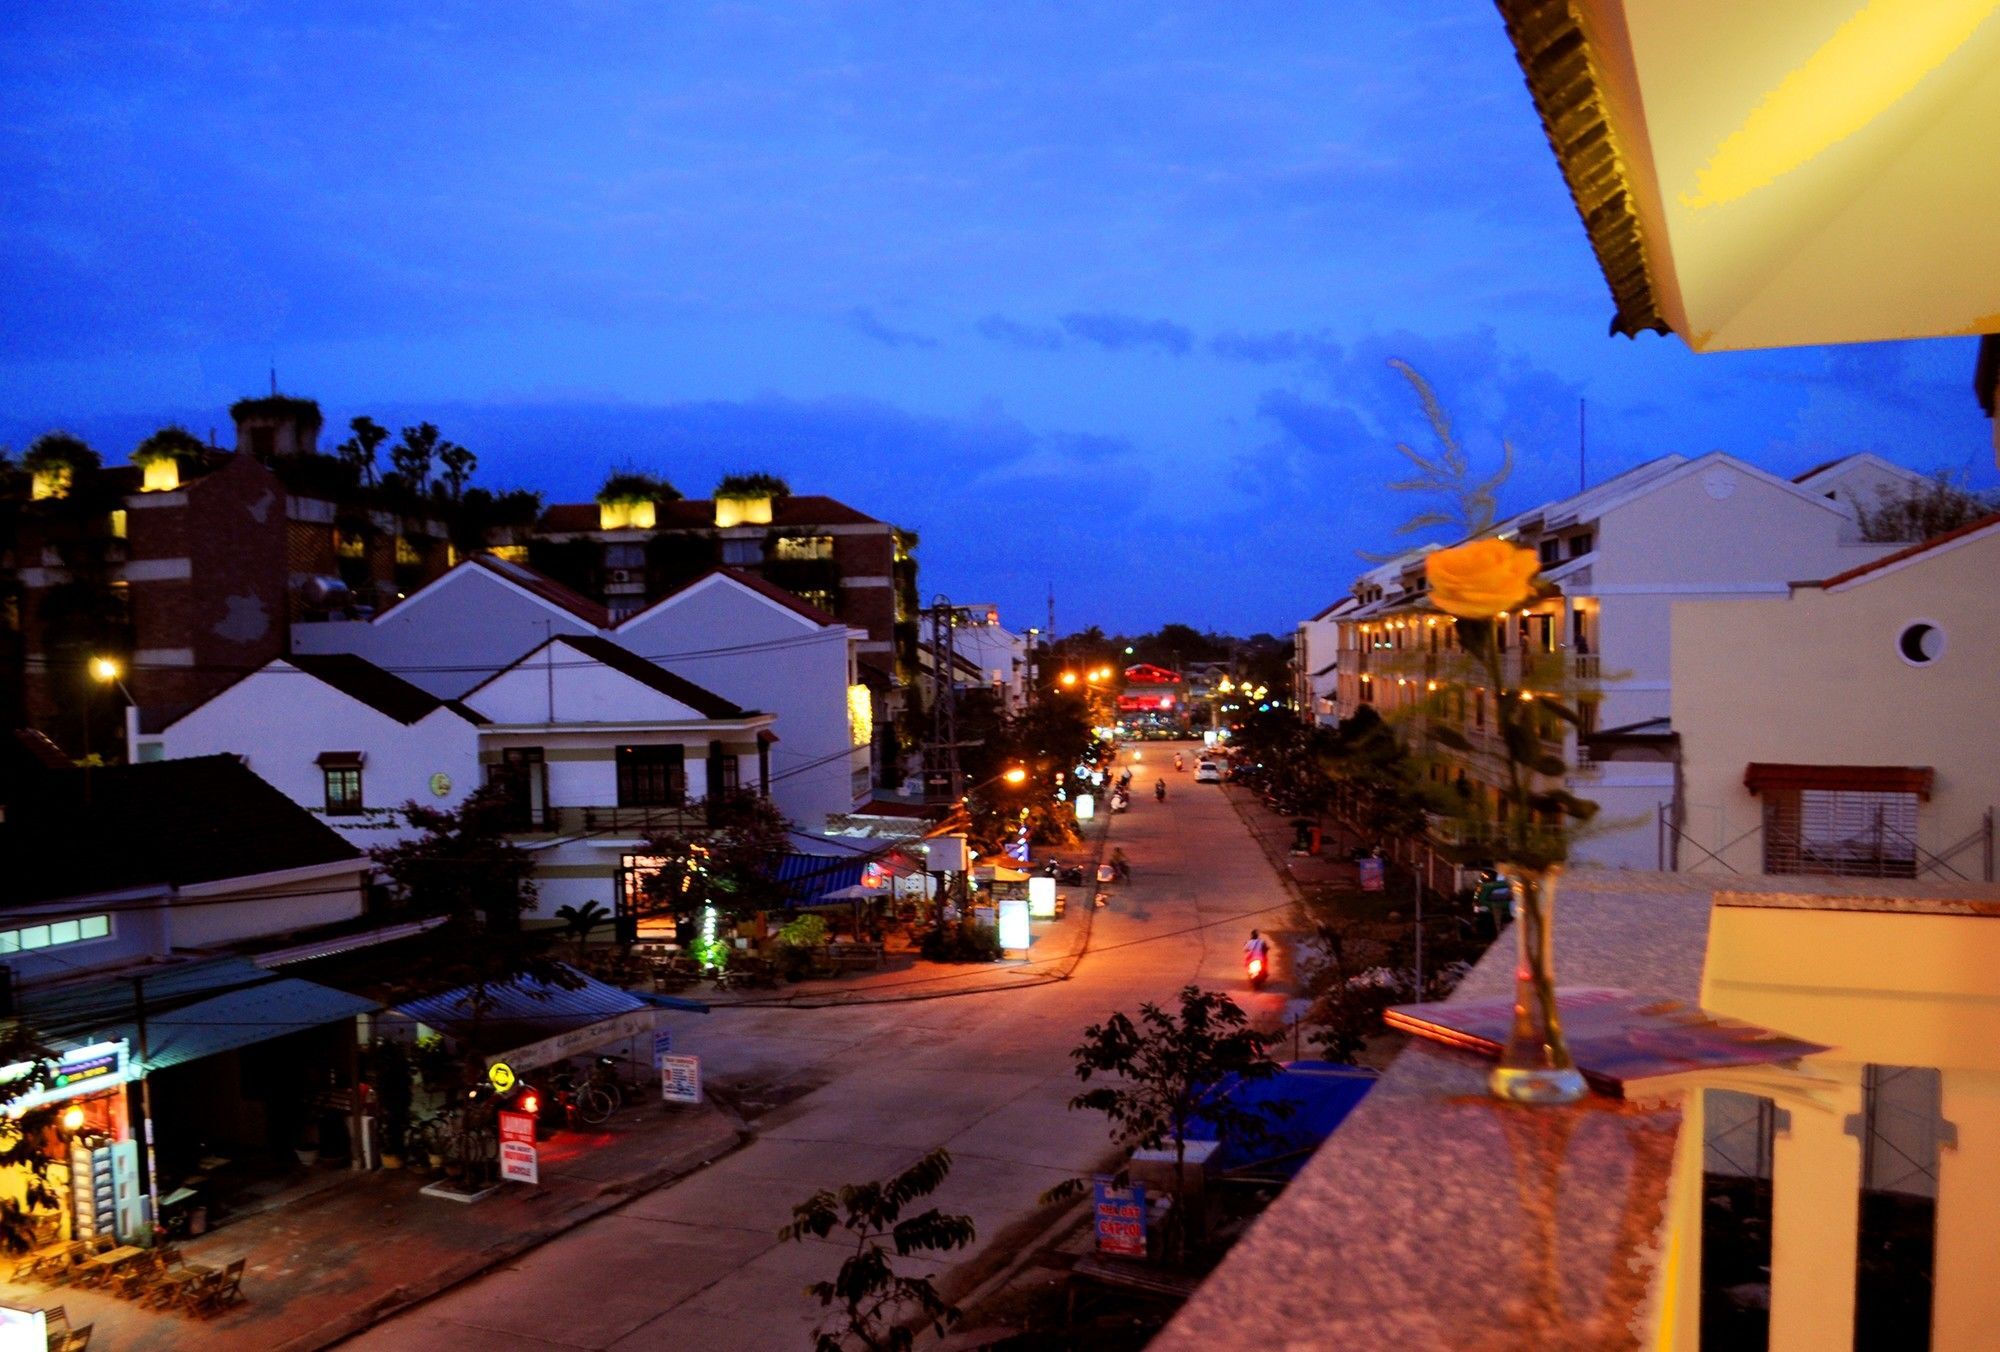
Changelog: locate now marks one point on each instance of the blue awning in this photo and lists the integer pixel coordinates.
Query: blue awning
(192, 1009)
(1320, 1095)
(529, 1023)
(809, 878)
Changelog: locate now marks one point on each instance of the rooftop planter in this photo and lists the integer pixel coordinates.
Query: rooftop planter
(303, 414)
(161, 457)
(56, 460)
(630, 501)
(745, 499)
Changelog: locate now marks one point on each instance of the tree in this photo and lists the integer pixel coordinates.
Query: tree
(1917, 512)
(1380, 775)
(463, 866)
(358, 451)
(579, 921)
(27, 1137)
(726, 871)
(868, 1291)
(1170, 1070)
(458, 465)
(413, 454)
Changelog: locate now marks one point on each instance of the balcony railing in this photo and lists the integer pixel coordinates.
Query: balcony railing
(641, 821)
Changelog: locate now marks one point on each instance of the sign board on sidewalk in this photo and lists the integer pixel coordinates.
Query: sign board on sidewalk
(1041, 897)
(1371, 875)
(517, 1126)
(680, 1079)
(1014, 933)
(519, 1163)
(663, 1046)
(1121, 1218)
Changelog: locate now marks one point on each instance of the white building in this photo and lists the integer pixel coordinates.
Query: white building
(1861, 481)
(748, 641)
(597, 748)
(1620, 555)
(990, 656)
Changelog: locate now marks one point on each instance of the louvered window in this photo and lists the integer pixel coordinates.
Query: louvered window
(1851, 832)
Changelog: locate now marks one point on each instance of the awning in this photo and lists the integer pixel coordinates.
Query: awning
(192, 1010)
(1319, 1096)
(335, 760)
(810, 879)
(1761, 775)
(528, 1024)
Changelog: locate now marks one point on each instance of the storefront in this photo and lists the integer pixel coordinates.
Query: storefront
(91, 1149)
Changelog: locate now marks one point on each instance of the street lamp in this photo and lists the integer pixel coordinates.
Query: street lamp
(105, 669)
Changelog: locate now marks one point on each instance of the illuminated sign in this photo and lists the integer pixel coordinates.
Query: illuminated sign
(86, 1070)
(1041, 898)
(501, 1076)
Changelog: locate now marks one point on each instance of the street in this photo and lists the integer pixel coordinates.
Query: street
(864, 1090)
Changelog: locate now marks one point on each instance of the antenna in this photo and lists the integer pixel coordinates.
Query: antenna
(274, 377)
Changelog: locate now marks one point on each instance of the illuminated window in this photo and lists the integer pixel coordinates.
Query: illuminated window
(350, 546)
(406, 553)
(77, 930)
(825, 600)
(511, 553)
(804, 547)
(860, 716)
(118, 522)
(343, 789)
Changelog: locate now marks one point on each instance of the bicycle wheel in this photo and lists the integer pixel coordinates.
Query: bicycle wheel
(593, 1105)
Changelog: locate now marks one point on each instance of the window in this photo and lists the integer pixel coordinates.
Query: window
(118, 523)
(731, 769)
(625, 555)
(1551, 551)
(737, 553)
(75, 930)
(1920, 643)
(1579, 545)
(406, 553)
(825, 600)
(651, 776)
(1851, 832)
(343, 789)
(523, 777)
(804, 547)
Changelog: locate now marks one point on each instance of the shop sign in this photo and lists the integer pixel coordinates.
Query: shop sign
(519, 1163)
(1371, 875)
(501, 1076)
(86, 1070)
(663, 1046)
(680, 1079)
(518, 1127)
(1121, 1218)
(562, 1046)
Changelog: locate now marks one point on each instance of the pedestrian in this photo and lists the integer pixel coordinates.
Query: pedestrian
(1121, 866)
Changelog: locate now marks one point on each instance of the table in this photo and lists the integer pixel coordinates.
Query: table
(101, 1265)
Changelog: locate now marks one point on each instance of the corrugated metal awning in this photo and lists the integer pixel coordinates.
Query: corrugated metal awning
(530, 1023)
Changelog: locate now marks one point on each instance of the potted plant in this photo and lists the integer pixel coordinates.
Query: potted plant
(745, 499)
(798, 939)
(629, 500)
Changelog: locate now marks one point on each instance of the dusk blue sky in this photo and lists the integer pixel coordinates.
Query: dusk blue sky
(1102, 295)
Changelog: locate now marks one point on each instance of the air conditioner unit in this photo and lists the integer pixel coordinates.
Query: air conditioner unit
(619, 575)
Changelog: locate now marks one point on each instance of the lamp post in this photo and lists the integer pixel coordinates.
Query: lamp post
(103, 671)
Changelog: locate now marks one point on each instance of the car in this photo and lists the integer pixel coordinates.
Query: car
(1208, 772)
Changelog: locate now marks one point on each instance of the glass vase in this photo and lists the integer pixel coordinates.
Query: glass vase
(1535, 1067)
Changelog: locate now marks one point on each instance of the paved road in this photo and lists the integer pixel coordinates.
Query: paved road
(698, 1264)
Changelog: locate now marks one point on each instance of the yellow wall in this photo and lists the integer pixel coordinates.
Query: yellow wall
(1814, 678)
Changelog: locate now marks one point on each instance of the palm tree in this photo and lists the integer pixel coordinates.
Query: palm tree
(581, 920)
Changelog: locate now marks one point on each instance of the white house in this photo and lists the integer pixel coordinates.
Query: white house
(730, 632)
(999, 657)
(1620, 556)
(1861, 481)
(337, 735)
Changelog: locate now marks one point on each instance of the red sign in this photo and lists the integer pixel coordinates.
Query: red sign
(519, 1127)
(1121, 1218)
(1145, 673)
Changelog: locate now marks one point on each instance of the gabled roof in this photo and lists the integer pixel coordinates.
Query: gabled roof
(158, 823)
(1986, 525)
(382, 691)
(1813, 477)
(770, 591)
(798, 511)
(628, 663)
(536, 584)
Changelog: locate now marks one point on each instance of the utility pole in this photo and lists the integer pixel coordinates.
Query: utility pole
(943, 758)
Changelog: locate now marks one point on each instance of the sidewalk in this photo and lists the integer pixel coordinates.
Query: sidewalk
(344, 1255)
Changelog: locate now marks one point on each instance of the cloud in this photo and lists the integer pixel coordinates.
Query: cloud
(1001, 329)
(1119, 332)
(1267, 349)
(865, 322)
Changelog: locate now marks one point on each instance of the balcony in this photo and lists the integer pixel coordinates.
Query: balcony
(685, 819)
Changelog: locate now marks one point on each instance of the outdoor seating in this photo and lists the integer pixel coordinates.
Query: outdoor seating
(854, 956)
(74, 1340)
(218, 1291)
(176, 1284)
(55, 1322)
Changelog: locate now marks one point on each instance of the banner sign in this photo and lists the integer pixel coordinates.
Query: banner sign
(663, 1046)
(1371, 875)
(1121, 1218)
(680, 1079)
(519, 1163)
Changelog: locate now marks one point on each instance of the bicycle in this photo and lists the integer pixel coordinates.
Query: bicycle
(591, 1097)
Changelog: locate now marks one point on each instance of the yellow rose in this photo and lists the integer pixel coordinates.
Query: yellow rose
(1480, 579)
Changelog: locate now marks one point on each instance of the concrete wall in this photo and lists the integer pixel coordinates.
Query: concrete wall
(280, 719)
(1815, 678)
(205, 916)
(449, 638)
(562, 685)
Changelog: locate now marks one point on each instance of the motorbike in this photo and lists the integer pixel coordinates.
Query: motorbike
(1257, 967)
(1160, 792)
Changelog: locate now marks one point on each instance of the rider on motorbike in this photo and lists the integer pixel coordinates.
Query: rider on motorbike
(1160, 790)
(1257, 958)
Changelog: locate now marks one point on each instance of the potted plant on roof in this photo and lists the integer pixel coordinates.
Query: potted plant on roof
(161, 457)
(746, 499)
(56, 460)
(629, 500)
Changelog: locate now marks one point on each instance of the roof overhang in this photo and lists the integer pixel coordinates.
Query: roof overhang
(1780, 173)
(1760, 776)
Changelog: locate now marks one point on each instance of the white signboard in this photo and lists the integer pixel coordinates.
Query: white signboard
(1041, 898)
(1014, 933)
(680, 1079)
(1086, 807)
(638, 1023)
(519, 1163)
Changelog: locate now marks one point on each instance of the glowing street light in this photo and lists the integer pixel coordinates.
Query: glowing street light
(105, 669)
(1069, 678)
(1016, 775)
